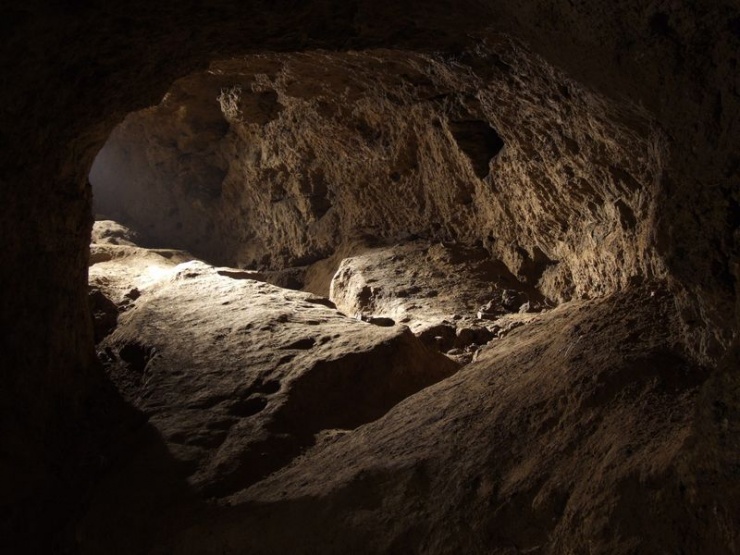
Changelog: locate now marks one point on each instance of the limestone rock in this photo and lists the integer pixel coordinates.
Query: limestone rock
(111, 232)
(435, 289)
(277, 160)
(237, 376)
(119, 269)
(544, 443)
(498, 450)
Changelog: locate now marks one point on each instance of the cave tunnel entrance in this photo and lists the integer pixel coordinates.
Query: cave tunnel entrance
(276, 249)
(273, 161)
(374, 187)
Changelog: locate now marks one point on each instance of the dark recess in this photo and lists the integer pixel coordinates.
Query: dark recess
(479, 141)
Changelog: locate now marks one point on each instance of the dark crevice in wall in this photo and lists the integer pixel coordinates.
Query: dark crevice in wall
(479, 141)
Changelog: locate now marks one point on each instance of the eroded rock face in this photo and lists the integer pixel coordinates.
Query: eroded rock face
(268, 410)
(109, 232)
(455, 298)
(543, 443)
(236, 377)
(276, 160)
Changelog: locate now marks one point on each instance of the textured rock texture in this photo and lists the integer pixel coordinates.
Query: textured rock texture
(272, 161)
(542, 445)
(453, 297)
(237, 377)
(654, 83)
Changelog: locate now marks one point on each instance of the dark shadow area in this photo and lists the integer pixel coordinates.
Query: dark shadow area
(140, 500)
(479, 141)
(90, 456)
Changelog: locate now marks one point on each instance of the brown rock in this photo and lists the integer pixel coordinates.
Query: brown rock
(113, 233)
(237, 377)
(543, 442)
(619, 167)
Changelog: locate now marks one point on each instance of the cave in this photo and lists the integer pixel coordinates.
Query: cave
(370, 277)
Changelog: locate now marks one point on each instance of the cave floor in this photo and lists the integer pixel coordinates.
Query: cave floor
(266, 409)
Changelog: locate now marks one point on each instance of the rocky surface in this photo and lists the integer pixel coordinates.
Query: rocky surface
(110, 232)
(542, 445)
(492, 145)
(268, 410)
(654, 83)
(236, 377)
(455, 298)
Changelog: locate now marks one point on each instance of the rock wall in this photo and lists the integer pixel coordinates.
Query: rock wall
(276, 160)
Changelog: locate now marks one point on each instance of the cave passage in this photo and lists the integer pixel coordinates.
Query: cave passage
(280, 161)
(389, 183)
(292, 246)
(370, 277)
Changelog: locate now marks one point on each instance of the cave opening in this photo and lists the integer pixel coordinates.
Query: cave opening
(245, 171)
(283, 165)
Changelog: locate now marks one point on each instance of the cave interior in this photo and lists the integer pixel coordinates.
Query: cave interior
(370, 277)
